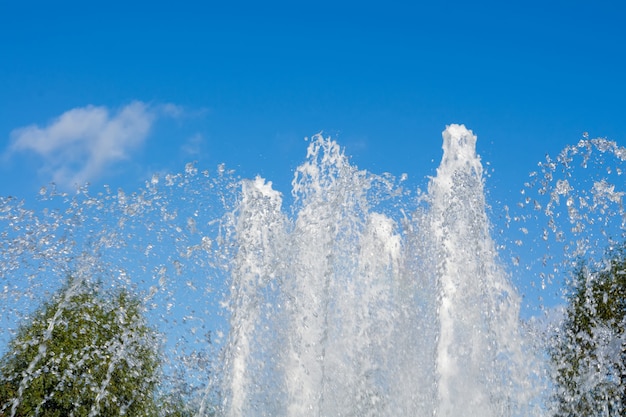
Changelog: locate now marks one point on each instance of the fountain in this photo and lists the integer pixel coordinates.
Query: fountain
(359, 299)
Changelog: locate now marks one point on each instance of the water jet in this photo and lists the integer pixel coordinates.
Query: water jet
(358, 298)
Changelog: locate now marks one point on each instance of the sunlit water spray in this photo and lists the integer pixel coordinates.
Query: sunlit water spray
(478, 358)
(358, 299)
(357, 312)
(571, 209)
(572, 233)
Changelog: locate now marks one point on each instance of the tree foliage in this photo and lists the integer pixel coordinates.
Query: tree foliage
(87, 352)
(590, 349)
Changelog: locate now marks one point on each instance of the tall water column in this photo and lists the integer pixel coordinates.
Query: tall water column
(478, 310)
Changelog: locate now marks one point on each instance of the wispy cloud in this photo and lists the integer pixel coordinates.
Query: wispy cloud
(79, 145)
(194, 145)
(173, 110)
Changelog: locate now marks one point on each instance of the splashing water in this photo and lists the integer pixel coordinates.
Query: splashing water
(342, 310)
(357, 300)
(572, 209)
(478, 311)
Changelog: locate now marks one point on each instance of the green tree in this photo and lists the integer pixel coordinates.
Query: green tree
(589, 352)
(88, 352)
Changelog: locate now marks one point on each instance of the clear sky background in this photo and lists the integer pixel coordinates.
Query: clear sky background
(110, 92)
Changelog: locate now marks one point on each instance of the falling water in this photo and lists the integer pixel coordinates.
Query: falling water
(478, 308)
(344, 309)
(359, 298)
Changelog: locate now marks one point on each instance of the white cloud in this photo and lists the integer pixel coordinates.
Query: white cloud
(80, 144)
(173, 110)
(194, 145)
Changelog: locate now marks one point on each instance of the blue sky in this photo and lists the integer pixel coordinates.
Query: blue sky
(246, 83)
(111, 92)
